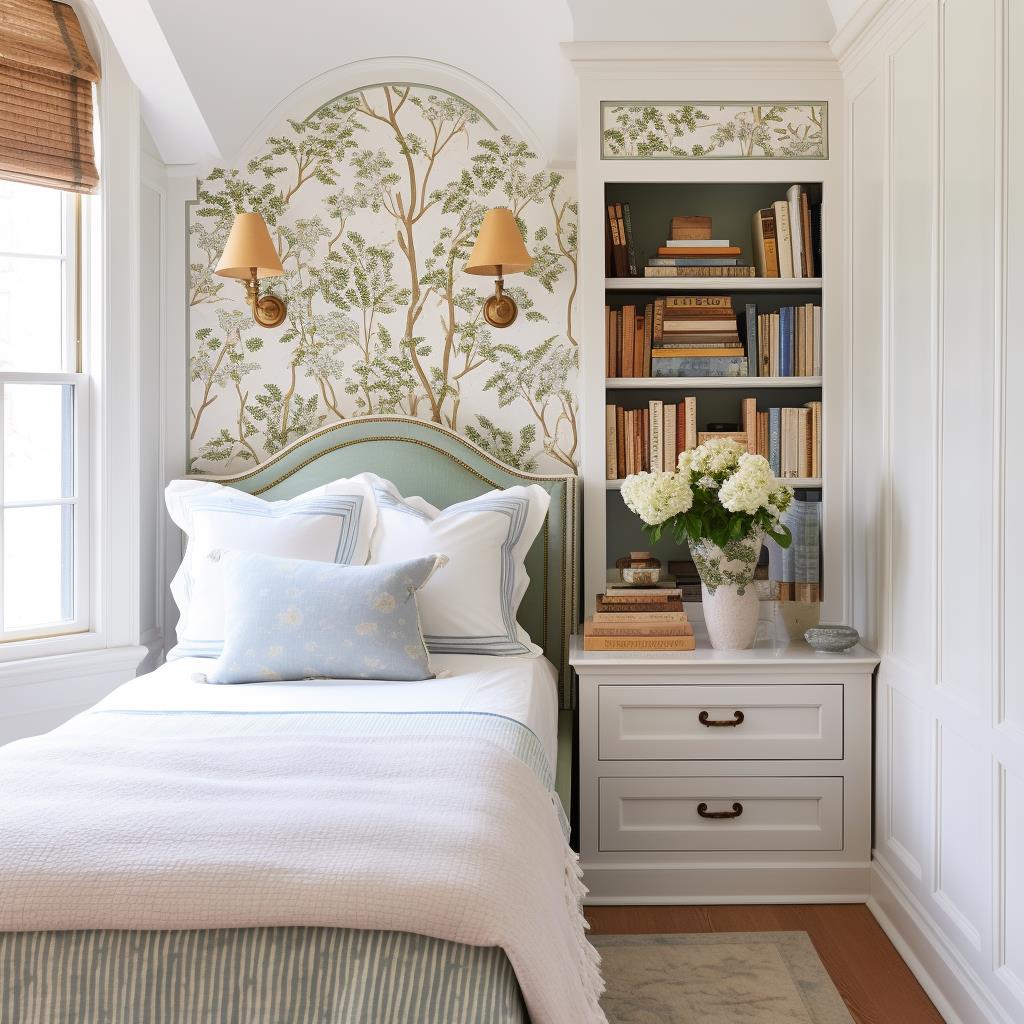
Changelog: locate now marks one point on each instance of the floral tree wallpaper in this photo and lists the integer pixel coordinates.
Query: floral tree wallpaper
(714, 131)
(374, 201)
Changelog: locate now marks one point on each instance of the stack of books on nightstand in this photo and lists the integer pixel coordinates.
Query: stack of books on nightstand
(639, 619)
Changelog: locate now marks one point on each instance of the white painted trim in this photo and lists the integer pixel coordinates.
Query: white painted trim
(616, 58)
(375, 71)
(951, 983)
(71, 666)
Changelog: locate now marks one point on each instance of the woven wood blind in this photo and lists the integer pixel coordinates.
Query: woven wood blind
(46, 76)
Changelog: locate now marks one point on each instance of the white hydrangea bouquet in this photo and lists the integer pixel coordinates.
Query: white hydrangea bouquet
(722, 501)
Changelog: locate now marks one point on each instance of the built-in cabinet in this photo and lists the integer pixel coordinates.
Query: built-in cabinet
(725, 777)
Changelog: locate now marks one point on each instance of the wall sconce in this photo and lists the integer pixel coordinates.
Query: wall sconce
(499, 250)
(249, 255)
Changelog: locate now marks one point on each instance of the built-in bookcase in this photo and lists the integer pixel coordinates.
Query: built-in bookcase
(728, 191)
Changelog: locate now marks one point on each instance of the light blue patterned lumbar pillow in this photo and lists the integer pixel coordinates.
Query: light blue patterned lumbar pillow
(287, 618)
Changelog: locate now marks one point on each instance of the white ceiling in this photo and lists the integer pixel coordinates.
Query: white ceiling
(210, 72)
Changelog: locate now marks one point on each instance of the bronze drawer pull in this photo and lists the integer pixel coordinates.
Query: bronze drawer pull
(705, 719)
(737, 809)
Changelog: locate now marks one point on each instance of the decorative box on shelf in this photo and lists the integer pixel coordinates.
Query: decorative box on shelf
(725, 777)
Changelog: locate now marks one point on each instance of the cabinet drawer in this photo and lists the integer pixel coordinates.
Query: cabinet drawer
(664, 722)
(766, 814)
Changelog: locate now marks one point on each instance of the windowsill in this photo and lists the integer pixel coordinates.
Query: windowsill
(24, 661)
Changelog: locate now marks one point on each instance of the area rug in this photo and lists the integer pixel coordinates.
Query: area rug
(727, 978)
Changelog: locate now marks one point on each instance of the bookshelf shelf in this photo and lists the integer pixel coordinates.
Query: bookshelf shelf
(693, 383)
(800, 481)
(713, 284)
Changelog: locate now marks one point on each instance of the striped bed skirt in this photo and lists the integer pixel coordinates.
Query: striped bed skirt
(283, 975)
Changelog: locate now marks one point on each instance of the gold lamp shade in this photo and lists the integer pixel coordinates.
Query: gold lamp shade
(499, 250)
(249, 255)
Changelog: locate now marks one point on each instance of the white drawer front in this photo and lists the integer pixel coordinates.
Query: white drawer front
(650, 815)
(664, 722)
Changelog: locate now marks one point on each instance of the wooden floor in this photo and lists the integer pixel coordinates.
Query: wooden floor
(864, 965)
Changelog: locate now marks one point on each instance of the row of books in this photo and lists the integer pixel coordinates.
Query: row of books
(633, 618)
(789, 438)
(787, 342)
(787, 236)
(650, 439)
(674, 336)
(796, 570)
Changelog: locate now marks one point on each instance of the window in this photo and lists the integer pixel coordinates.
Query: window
(43, 416)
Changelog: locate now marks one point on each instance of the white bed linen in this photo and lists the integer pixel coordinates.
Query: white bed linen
(524, 689)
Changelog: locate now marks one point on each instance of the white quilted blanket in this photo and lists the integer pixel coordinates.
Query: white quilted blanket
(186, 821)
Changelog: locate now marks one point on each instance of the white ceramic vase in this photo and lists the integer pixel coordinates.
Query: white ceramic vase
(731, 607)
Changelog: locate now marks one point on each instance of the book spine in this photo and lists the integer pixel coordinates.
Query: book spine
(638, 346)
(752, 347)
(656, 412)
(796, 229)
(630, 250)
(775, 440)
(669, 438)
(718, 366)
(610, 442)
(658, 329)
(651, 618)
(691, 421)
(748, 410)
(721, 302)
(620, 442)
(653, 643)
(771, 249)
(694, 261)
(645, 367)
(628, 339)
(699, 272)
(785, 242)
(817, 341)
(807, 235)
(638, 629)
(681, 350)
(785, 342)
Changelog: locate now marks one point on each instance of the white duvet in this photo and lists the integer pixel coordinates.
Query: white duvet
(171, 818)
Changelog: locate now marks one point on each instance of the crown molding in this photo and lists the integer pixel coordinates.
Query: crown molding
(872, 21)
(691, 58)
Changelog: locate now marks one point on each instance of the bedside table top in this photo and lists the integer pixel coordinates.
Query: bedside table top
(762, 653)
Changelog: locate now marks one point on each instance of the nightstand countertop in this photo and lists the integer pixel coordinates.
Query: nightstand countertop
(797, 655)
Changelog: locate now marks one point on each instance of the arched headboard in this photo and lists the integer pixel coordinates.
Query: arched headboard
(429, 460)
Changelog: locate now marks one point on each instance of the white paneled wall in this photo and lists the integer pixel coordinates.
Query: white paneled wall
(936, 217)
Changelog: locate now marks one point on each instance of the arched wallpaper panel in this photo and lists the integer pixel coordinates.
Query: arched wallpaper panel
(374, 201)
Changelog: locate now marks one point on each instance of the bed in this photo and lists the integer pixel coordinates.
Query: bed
(324, 850)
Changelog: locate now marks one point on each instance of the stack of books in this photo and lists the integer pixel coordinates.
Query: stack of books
(787, 342)
(698, 338)
(675, 336)
(787, 236)
(648, 439)
(639, 619)
(690, 251)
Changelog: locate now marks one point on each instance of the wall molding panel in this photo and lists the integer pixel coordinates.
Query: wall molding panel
(932, 88)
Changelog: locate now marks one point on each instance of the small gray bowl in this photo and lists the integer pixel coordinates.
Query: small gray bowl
(829, 639)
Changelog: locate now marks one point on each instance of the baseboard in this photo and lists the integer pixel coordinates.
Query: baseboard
(951, 983)
(696, 884)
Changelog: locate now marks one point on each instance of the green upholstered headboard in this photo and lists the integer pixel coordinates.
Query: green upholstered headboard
(429, 460)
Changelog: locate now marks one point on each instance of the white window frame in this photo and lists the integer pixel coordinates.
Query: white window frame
(72, 305)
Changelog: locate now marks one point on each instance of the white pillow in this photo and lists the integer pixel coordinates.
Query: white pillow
(471, 607)
(332, 523)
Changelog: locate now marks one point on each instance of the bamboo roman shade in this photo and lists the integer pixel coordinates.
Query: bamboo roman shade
(46, 76)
